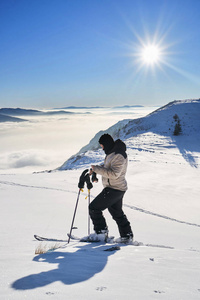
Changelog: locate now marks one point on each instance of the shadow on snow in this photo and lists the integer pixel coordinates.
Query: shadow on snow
(72, 267)
(188, 149)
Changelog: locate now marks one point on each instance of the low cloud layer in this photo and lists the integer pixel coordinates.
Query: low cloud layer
(47, 142)
(23, 159)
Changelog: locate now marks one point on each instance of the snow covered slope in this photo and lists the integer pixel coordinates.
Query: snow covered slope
(160, 122)
(163, 120)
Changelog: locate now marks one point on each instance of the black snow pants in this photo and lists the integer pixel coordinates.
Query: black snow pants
(110, 199)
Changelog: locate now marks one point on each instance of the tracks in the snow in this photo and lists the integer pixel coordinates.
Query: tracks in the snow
(159, 215)
(35, 186)
(126, 205)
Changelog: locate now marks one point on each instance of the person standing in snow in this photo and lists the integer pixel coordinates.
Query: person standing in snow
(113, 173)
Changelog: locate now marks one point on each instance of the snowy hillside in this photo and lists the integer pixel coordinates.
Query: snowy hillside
(161, 122)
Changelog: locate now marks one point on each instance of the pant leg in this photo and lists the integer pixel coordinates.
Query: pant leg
(95, 211)
(120, 218)
(104, 200)
(111, 199)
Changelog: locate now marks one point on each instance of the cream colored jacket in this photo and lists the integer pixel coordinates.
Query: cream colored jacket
(113, 171)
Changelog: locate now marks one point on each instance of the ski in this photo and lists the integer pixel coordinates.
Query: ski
(110, 240)
(41, 239)
(85, 240)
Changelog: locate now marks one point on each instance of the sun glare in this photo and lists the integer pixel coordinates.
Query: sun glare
(150, 54)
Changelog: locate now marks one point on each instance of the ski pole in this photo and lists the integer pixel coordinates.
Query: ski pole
(89, 186)
(88, 212)
(85, 177)
(80, 186)
(74, 216)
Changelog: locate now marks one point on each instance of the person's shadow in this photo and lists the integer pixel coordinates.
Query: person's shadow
(73, 267)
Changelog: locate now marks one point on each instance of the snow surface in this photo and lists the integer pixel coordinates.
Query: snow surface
(162, 204)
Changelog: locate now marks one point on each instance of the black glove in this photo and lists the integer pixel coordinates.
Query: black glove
(82, 179)
(87, 180)
(94, 177)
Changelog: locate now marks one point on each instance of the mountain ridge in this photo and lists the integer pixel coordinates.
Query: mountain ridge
(162, 121)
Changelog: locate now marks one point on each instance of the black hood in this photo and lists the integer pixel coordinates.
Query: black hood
(119, 148)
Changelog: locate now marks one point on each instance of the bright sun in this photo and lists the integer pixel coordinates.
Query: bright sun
(150, 54)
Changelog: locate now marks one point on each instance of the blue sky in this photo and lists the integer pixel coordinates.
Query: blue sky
(55, 53)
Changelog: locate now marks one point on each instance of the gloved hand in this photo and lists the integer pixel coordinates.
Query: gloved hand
(85, 177)
(87, 180)
(82, 179)
(94, 177)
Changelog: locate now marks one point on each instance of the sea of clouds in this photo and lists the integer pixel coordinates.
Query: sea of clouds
(45, 142)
